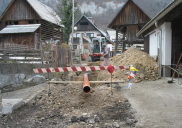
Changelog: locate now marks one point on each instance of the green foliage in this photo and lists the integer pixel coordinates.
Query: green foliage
(67, 18)
(65, 12)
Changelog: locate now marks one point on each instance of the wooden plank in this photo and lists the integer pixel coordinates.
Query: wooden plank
(21, 59)
(20, 51)
(21, 55)
(81, 82)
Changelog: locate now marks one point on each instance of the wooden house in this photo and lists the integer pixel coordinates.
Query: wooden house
(129, 20)
(27, 22)
(85, 25)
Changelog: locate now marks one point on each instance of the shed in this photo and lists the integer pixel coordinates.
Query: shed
(129, 20)
(41, 23)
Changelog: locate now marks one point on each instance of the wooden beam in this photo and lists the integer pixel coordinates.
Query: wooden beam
(81, 82)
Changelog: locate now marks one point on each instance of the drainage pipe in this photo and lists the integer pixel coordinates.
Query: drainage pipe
(86, 84)
(160, 45)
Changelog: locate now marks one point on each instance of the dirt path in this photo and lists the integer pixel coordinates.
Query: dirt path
(158, 104)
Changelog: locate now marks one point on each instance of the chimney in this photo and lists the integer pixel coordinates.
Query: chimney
(90, 18)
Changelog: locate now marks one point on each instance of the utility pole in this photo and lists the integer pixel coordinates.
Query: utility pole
(72, 24)
(72, 31)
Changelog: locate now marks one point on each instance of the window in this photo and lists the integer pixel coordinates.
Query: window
(77, 34)
(74, 46)
(84, 23)
(90, 34)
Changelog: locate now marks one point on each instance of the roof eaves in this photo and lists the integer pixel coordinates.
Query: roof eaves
(48, 9)
(9, 5)
(118, 13)
(159, 16)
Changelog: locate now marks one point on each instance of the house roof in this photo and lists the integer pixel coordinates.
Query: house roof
(42, 10)
(161, 14)
(103, 33)
(123, 8)
(20, 29)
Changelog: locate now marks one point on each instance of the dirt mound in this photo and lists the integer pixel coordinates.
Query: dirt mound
(147, 66)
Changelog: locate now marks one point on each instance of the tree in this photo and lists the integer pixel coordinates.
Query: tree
(65, 12)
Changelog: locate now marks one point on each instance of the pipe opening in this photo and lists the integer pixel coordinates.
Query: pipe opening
(86, 89)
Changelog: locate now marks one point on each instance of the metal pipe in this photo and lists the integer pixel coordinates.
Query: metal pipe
(86, 84)
(160, 45)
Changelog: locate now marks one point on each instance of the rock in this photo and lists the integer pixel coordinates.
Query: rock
(74, 119)
(82, 118)
(84, 114)
(82, 123)
(56, 79)
(142, 76)
(115, 124)
(97, 119)
(37, 79)
(129, 121)
(11, 104)
(91, 121)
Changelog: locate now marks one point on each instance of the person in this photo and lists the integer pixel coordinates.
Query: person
(97, 46)
(106, 55)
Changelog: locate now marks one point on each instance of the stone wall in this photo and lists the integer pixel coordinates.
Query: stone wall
(16, 76)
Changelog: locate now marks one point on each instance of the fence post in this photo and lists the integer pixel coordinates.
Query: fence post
(4, 56)
(1, 106)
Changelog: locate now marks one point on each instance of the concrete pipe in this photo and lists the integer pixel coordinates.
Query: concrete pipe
(86, 84)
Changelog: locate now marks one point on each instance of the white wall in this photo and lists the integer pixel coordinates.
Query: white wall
(85, 32)
(166, 43)
(153, 45)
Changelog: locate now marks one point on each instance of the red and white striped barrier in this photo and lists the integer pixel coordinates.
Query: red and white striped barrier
(75, 69)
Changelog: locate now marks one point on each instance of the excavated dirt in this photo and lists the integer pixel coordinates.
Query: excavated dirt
(67, 106)
(147, 66)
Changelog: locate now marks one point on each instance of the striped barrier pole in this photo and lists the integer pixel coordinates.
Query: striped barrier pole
(76, 69)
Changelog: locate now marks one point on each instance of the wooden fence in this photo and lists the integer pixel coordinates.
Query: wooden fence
(20, 55)
(61, 57)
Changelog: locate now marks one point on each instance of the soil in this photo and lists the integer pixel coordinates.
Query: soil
(148, 69)
(68, 106)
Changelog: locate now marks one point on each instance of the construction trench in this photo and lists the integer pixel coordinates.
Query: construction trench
(73, 105)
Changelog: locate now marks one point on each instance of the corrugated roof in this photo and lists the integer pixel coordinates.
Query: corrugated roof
(45, 12)
(20, 29)
(42, 10)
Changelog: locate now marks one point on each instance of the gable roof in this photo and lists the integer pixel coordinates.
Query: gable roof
(103, 33)
(83, 16)
(123, 8)
(161, 14)
(42, 10)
